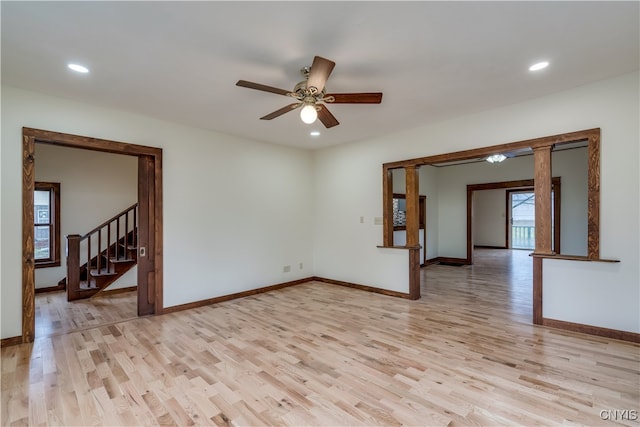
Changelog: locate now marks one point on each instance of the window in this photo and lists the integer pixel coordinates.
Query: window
(46, 220)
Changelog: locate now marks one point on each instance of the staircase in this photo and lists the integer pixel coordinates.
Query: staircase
(101, 256)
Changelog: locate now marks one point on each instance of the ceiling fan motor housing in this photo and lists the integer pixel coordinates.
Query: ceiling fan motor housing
(312, 92)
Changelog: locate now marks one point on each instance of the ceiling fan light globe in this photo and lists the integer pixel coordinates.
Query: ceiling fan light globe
(308, 114)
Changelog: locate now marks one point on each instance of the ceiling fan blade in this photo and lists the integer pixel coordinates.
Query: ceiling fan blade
(355, 98)
(319, 73)
(325, 116)
(265, 88)
(281, 111)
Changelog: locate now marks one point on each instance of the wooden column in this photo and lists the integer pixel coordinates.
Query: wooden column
(413, 227)
(73, 266)
(537, 291)
(387, 206)
(542, 188)
(593, 180)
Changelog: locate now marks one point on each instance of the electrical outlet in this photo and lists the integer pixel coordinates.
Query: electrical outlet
(377, 220)
(286, 269)
(361, 220)
(301, 266)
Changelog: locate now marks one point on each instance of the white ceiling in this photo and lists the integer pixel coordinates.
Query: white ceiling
(179, 61)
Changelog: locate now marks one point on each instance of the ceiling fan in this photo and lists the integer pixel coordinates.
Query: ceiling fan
(311, 94)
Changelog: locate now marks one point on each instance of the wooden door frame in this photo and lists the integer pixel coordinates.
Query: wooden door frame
(152, 154)
(524, 184)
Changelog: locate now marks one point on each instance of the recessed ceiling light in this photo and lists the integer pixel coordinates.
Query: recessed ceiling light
(539, 66)
(78, 68)
(314, 133)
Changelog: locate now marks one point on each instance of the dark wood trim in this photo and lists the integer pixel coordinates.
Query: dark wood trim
(236, 295)
(590, 135)
(469, 259)
(50, 289)
(489, 247)
(431, 261)
(572, 257)
(542, 190)
(537, 291)
(362, 287)
(556, 188)
(30, 136)
(6, 342)
(146, 263)
(414, 274)
(452, 260)
(387, 207)
(592, 330)
(398, 247)
(28, 265)
(158, 233)
(54, 221)
(88, 143)
(413, 228)
(593, 195)
(582, 135)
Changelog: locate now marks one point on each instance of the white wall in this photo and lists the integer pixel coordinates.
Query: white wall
(235, 211)
(273, 206)
(489, 216)
(351, 174)
(94, 186)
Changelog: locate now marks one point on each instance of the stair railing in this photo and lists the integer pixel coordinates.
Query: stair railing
(97, 247)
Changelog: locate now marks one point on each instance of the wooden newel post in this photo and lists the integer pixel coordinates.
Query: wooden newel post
(73, 262)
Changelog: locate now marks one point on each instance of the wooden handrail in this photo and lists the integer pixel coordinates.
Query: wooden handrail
(76, 268)
(109, 220)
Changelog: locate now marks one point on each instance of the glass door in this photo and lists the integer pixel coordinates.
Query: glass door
(522, 217)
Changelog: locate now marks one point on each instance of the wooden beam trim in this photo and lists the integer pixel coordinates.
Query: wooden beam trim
(96, 144)
(398, 247)
(475, 153)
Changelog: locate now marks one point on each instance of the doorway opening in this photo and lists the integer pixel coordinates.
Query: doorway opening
(149, 292)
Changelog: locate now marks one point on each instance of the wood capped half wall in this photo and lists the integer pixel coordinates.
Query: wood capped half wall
(541, 148)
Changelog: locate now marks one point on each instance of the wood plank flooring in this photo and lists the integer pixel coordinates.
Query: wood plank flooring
(319, 354)
(55, 316)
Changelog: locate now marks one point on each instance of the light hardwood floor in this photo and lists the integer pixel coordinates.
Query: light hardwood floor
(56, 316)
(319, 354)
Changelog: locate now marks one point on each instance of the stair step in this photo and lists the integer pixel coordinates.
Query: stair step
(122, 260)
(85, 287)
(103, 272)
